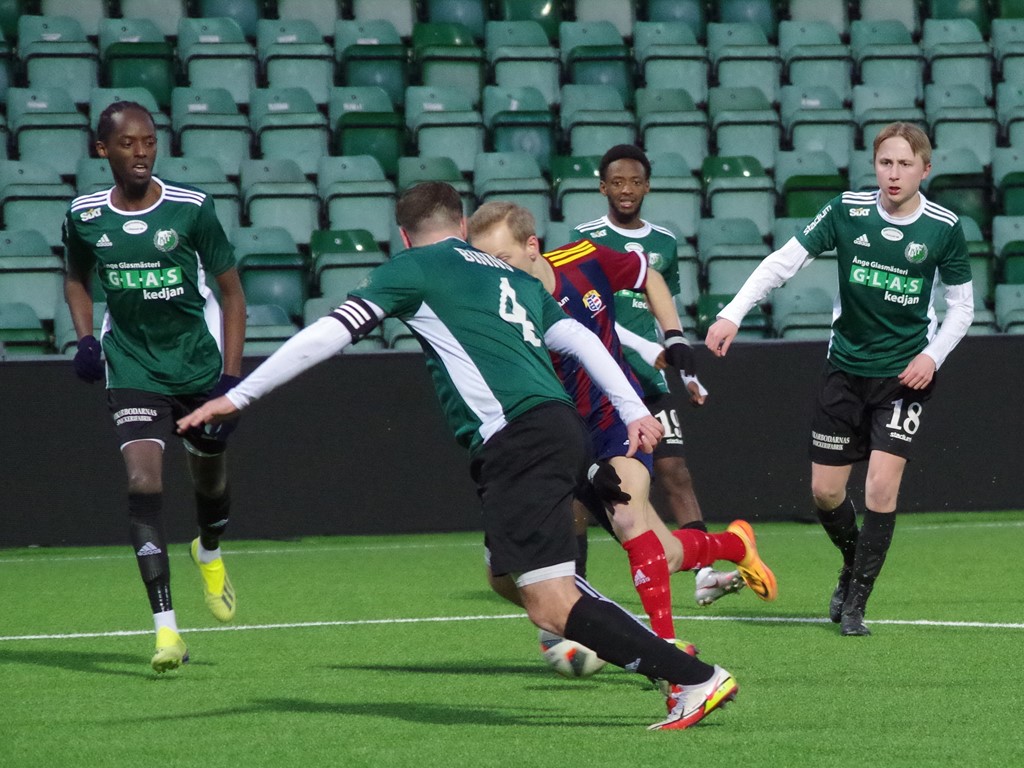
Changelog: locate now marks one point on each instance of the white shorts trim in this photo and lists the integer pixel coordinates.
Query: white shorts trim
(546, 573)
(145, 439)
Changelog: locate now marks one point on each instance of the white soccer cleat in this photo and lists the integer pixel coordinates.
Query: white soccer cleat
(712, 584)
(689, 704)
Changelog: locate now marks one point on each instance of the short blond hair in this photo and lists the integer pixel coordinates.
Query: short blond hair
(520, 222)
(914, 136)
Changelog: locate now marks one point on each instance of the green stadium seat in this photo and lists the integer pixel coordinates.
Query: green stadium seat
(29, 271)
(1008, 244)
(135, 53)
(267, 327)
(741, 56)
(729, 249)
(93, 174)
(206, 174)
(813, 55)
(444, 123)
(293, 54)
(215, 51)
(401, 14)
(288, 125)
(689, 288)
(521, 56)
(835, 13)
(755, 325)
(875, 106)
(594, 53)
(342, 258)
(959, 182)
(736, 186)
(676, 197)
(88, 13)
(805, 181)
(1009, 303)
(398, 336)
(207, 123)
(472, 14)
(545, 12)
(575, 181)
(885, 54)
(957, 54)
(976, 11)
(276, 193)
(518, 120)
(413, 170)
(371, 53)
(21, 332)
(669, 121)
(355, 194)
(32, 196)
(322, 15)
(621, 15)
(692, 13)
(815, 120)
(959, 117)
(594, 116)
(55, 53)
(1008, 48)
(805, 301)
(447, 55)
(165, 14)
(762, 13)
(908, 14)
(668, 56)
(744, 123)
(514, 177)
(271, 268)
(46, 127)
(365, 122)
(246, 13)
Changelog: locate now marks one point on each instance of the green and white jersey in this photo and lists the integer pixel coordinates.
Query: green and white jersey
(631, 310)
(162, 330)
(887, 273)
(482, 325)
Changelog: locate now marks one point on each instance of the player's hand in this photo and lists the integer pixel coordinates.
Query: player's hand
(919, 373)
(211, 412)
(607, 485)
(644, 433)
(698, 395)
(88, 365)
(720, 335)
(224, 428)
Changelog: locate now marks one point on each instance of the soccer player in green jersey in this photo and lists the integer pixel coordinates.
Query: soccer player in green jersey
(894, 246)
(486, 329)
(168, 347)
(625, 174)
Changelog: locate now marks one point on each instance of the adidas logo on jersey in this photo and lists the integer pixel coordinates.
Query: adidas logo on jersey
(862, 240)
(104, 242)
(640, 578)
(149, 548)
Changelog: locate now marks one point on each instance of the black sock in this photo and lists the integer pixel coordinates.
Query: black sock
(873, 546)
(620, 639)
(212, 517)
(697, 525)
(582, 544)
(841, 526)
(145, 527)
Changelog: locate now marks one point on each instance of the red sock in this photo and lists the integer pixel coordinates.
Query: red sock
(651, 578)
(700, 548)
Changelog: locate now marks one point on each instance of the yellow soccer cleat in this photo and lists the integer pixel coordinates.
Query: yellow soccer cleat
(755, 573)
(171, 652)
(217, 589)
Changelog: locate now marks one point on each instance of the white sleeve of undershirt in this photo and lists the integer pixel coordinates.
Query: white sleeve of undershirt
(777, 268)
(568, 337)
(959, 316)
(310, 346)
(648, 350)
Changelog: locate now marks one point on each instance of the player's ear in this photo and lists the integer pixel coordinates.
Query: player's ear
(533, 243)
(101, 149)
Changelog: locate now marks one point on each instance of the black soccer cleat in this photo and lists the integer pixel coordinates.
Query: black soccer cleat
(835, 605)
(851, 623)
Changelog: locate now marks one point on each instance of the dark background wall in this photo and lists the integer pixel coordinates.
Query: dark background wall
(358, 446)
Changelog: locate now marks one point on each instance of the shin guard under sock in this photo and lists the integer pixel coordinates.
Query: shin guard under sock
(212, 517)
(649, 569)
(841, 526)
(872, 548)
(619, 639)
(145, 527)
(700, 548)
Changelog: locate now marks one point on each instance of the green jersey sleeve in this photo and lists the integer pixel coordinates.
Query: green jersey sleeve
(76, 251)
(819, 235)
(954, 264)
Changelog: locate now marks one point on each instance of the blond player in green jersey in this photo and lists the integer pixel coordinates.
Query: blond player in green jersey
(893, 248)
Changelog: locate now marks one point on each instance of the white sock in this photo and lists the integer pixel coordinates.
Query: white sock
(207, 555)
(165, 619)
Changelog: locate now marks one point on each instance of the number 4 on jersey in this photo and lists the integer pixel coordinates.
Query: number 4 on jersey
(513, 312)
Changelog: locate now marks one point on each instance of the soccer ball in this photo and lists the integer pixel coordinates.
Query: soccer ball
(568, 658)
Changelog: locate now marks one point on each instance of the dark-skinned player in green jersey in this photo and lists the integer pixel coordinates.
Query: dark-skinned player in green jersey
(893, 247)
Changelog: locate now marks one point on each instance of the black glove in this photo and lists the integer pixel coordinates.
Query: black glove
(679, 354)
(88, 365)
(221, 430)
(605, 479)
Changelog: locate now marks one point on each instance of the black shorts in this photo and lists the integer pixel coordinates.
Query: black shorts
(856, 415)
(667, 408)
(142, 415)
(526, 477)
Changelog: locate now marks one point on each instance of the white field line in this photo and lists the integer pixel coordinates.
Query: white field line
(300, 549)
(500, 617)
